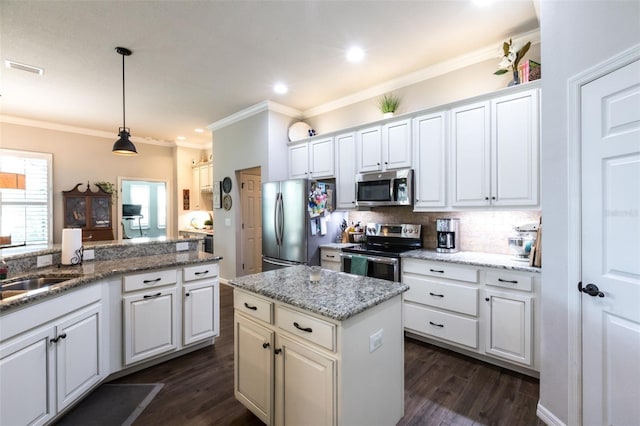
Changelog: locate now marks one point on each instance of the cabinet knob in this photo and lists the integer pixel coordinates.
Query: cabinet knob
(265, 345)
(486, 198)
(187, 294)
(277, 351)
(487, 299)
(493, 198)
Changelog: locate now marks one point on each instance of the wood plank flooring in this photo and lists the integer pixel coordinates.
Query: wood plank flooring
(441, 388)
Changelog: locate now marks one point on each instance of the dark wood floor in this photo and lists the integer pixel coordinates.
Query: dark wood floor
(441, 387)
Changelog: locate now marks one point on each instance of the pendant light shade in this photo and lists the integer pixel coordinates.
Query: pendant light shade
(124, 146)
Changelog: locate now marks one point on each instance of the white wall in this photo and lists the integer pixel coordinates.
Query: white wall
(575, 35)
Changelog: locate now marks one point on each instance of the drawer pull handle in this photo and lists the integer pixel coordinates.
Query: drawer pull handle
(151, 281)
(436, 325)
(436, 295)
(508, 281)
(331, 256)
(248, 306)
(265, 345)
(437, 270)
(307, 329)
(55, 339)
(147, 296)
(202, 273)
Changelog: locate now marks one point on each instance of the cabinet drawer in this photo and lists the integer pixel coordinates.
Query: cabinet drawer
(149, 280)
(329, 255)
(509, 279)
(253, 306)
(440, 269)
(320, 332)
(454, 328)
(199, 272)
(452, 297)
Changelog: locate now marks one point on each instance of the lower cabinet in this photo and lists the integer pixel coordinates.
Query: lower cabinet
(200, 303)
(296, 368)
(330, 259)
(46, 369)
(485, 311)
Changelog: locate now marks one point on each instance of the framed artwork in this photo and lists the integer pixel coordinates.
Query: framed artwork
(217, 201)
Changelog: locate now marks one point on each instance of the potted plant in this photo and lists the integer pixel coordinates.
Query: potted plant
(388, 104)
(208, 224)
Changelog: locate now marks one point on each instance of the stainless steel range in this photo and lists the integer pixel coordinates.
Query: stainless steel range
(384, 243)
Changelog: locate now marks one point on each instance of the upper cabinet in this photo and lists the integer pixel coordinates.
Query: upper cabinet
(430, 159)
(201, 181)
(494, 149)
(384, 147)
(346, 171)
(313, 159)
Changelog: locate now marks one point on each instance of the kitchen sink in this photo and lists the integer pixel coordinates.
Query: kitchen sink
(31, 285)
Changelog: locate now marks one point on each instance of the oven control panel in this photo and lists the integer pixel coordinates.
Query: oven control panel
(393, 230)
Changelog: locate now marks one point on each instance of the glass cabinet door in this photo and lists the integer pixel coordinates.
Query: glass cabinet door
(100, 212)
(75, 212)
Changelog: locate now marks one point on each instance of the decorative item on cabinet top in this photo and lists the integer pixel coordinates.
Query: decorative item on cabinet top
(511, 55)
(300, 130)
(388, 104)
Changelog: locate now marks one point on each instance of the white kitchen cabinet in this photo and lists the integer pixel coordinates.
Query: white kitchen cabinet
(430, 161)
(200, 303)
(205, 180)
(330, 259)
(294, 367)
(254, 367)
(201, 181)
(386, 147)
(346, 171)
(195, 198)
(494, 147)
(150, 323)
(306, 385)
(314, 160)
(46, 369)
(488, 313)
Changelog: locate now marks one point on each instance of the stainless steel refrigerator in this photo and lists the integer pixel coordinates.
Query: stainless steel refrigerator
(290, 236)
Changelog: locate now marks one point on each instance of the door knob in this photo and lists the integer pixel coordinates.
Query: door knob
(590, 289)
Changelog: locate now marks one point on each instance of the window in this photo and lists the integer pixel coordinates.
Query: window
(26, 214)
(140, 195)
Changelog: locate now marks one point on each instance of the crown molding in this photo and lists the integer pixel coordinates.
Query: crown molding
(253, 110)
(10, 119)
(480, 55)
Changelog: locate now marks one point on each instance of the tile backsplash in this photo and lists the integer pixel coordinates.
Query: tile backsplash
(480, 231)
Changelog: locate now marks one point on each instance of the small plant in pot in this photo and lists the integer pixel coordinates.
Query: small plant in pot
(388, 104)
(208, 224)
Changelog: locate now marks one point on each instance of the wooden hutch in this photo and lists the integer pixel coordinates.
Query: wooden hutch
(89, 210)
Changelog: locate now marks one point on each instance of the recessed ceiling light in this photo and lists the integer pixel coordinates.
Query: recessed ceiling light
(198, 130)
(23, 67)
(355, 54)
(181, 138)
(280, 88)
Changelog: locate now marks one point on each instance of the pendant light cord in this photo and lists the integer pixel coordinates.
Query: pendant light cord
(123, 113)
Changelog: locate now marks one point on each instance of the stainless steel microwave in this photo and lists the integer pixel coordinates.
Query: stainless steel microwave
(394, 188)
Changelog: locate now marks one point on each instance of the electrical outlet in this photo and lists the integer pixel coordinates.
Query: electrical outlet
(88, 255)
(45, 260)
(182, 246)
(375, 340)
(227, 221)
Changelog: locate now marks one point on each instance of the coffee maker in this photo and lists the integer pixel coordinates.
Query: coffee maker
(447, 235)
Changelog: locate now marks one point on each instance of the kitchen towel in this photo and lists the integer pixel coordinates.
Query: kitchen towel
(71, 245)
(359, 265)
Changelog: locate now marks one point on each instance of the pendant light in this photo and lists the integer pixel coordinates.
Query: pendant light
(123, 146)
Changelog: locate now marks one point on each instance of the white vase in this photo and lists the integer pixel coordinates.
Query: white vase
(387, 115)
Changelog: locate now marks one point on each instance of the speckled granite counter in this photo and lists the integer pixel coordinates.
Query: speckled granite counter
(127, 260)
(337, 295)
(491, 260)
(337, 246)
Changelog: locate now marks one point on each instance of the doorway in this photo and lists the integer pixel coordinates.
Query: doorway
(251, 226)
(143, 208)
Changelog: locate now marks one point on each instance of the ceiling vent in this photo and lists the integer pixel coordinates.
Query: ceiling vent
(23, 67)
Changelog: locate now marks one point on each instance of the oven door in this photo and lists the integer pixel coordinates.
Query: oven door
(385, 268)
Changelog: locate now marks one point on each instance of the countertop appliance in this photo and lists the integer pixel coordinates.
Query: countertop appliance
(525, 237)
(448, 235)
(294, 223)
(394, 188)
(384, 243)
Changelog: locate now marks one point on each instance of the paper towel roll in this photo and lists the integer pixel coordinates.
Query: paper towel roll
(71, 242)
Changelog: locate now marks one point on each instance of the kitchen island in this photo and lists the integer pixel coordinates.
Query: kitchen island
(328, 352)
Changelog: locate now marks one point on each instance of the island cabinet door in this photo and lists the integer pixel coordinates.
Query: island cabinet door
(253, 375)
(305, 385)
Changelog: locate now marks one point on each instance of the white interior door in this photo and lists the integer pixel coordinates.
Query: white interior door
(611, 248)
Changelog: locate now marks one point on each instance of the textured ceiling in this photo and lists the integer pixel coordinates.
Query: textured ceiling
(196, 62)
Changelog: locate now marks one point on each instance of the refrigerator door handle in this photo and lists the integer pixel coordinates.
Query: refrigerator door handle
(280, 216)
(279, 262)
(275, 219)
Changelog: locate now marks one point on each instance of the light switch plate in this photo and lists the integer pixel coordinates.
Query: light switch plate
(45, 260)
(88, 255)
(375, 340)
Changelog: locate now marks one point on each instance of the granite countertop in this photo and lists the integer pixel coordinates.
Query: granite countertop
(491, 260)
(337, 246)
(338, 295)
(92, 271)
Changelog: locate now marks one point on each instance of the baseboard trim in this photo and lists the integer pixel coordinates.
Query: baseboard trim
(547, 416)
